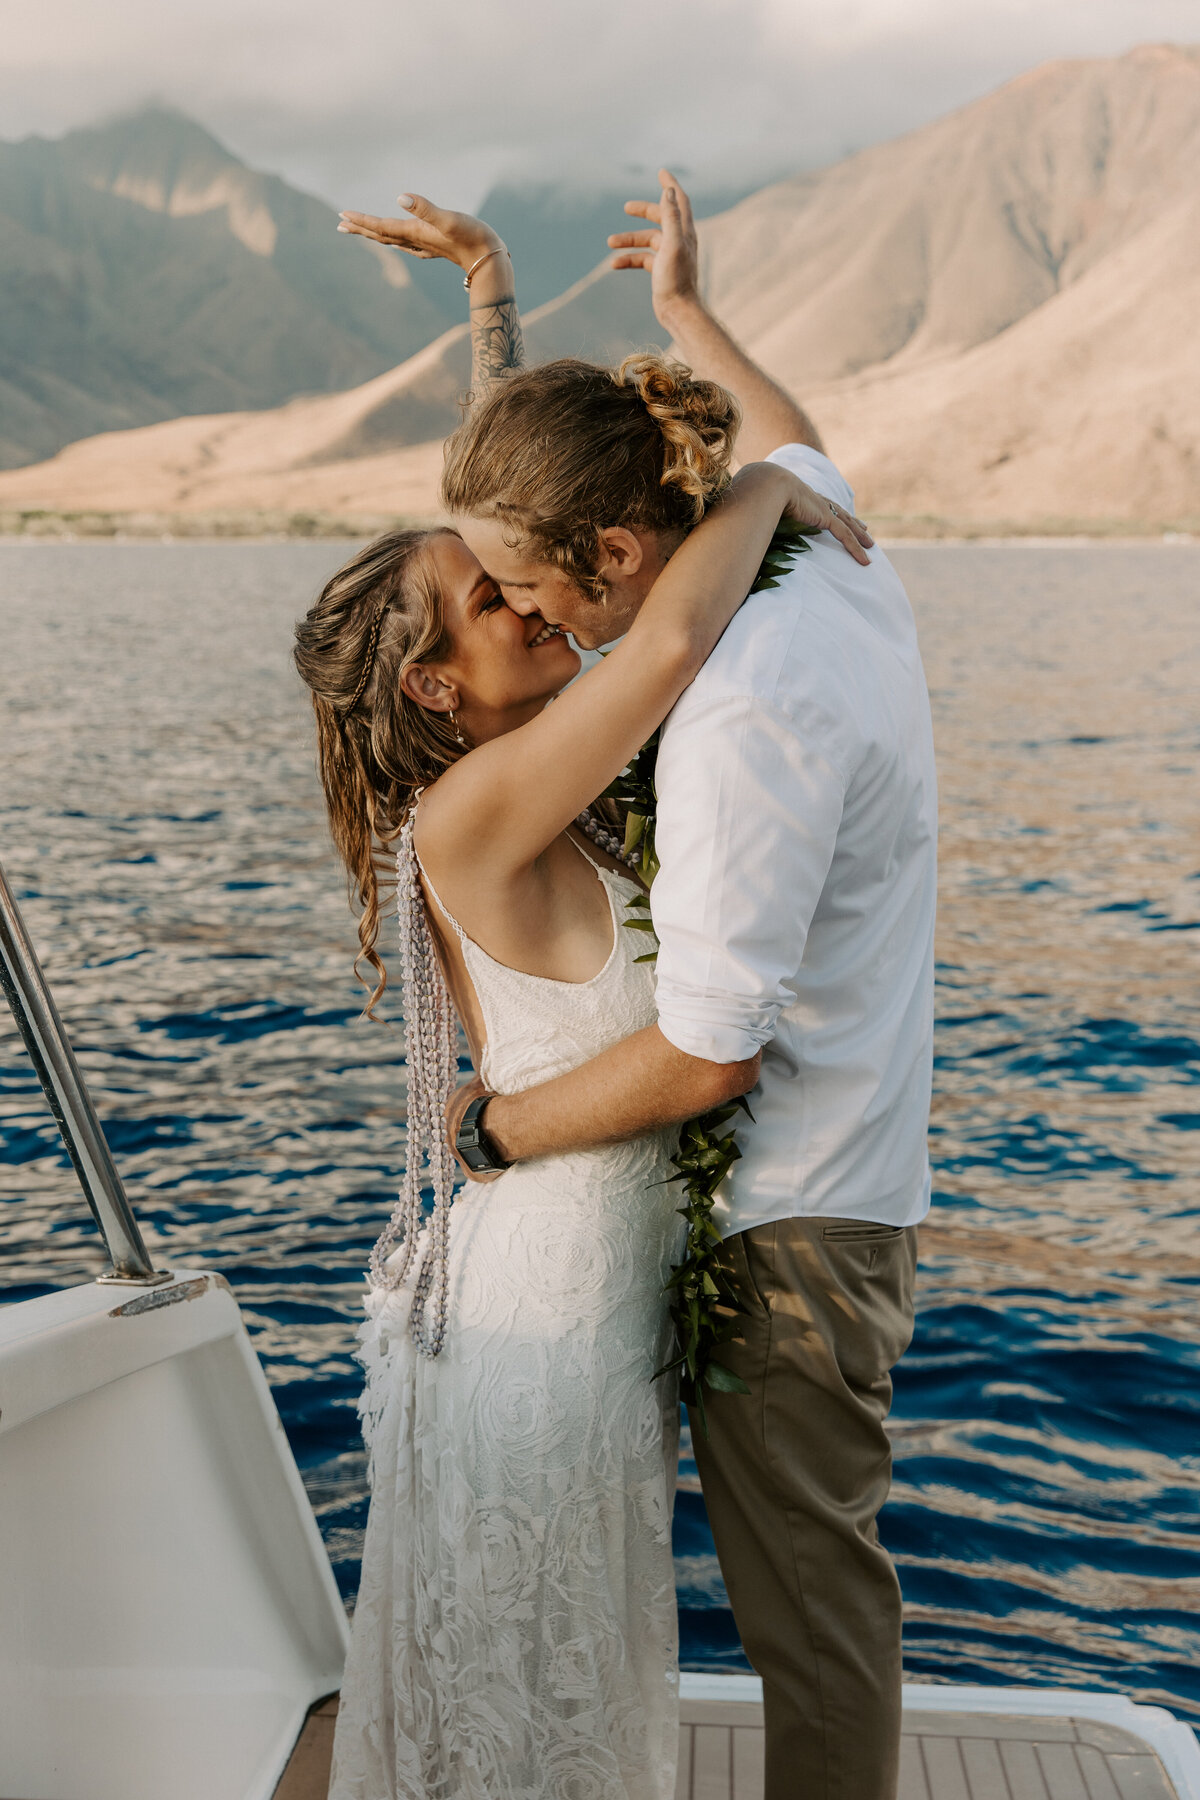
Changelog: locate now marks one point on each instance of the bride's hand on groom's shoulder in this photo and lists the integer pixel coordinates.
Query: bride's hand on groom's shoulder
(670, 248)
(814, 512)
(426, 231)
(802, 505)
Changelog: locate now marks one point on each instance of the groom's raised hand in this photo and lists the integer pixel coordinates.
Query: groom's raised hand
(771, 417)
(671, 251)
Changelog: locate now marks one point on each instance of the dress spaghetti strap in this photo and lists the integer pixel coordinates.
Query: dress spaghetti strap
(460, 934)
(600, 869)
(449, 917)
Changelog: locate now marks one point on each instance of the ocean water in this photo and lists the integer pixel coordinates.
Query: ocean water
(160, 821)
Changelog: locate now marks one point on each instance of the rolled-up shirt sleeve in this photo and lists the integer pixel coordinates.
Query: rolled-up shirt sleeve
(748, 816)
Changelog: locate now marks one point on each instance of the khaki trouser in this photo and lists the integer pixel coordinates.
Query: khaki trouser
(793, 1475)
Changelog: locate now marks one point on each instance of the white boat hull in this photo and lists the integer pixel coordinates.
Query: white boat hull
(168, 1612)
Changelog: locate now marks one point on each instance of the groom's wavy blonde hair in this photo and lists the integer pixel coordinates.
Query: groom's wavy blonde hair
(560, 452)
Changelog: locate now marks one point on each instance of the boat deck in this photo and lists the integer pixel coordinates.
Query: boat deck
(944, 1756)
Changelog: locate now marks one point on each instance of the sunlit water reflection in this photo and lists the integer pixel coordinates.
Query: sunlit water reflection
(161, 824)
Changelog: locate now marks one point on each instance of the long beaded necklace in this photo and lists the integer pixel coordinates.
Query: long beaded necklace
(431, 1055)
(608, 840)
(431, 1034)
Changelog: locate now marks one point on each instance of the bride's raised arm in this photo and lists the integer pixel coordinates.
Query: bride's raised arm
(428, 231)
(512, 796)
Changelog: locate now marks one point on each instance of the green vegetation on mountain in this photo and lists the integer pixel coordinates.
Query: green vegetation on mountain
(148, 273)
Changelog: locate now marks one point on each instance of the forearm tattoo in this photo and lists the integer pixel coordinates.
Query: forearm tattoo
(497, 347)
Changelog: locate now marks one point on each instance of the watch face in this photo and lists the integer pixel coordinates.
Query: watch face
(470, 1146)
(473, 1155)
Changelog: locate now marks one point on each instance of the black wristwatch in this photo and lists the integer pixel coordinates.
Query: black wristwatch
(473, 1143)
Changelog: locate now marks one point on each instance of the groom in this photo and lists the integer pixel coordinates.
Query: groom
(795, 912)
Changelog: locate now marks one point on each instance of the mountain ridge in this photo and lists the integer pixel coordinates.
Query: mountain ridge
(982, 191)
(990, 317)
(148, 273)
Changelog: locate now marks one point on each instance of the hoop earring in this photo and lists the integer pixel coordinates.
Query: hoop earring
(458, 734)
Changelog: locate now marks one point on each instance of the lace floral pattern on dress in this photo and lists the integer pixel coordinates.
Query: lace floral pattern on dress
(515, 1631)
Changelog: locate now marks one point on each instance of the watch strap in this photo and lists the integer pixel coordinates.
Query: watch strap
(474, 1145)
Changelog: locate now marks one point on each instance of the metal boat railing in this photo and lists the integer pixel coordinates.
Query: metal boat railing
(33, 1008)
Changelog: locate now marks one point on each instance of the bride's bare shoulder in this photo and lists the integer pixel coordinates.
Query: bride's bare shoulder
(434, 820)
(455, 815)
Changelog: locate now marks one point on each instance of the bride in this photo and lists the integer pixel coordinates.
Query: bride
(515, 1631)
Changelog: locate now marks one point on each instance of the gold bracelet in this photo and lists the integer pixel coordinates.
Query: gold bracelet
(500, 250)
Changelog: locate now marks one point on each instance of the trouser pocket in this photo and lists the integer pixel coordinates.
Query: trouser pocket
(859, 1231)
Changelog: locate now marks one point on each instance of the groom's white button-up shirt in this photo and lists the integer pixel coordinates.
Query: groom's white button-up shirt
(797, 827)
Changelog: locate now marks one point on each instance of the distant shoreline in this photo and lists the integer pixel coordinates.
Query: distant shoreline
(43, 526)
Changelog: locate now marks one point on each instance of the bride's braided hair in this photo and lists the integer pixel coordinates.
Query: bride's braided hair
(562, 451)
(375, 746)
(376, 749)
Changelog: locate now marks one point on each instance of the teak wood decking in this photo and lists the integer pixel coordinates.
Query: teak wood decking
(944, 1756)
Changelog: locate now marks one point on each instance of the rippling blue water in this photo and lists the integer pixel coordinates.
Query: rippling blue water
(161, 824)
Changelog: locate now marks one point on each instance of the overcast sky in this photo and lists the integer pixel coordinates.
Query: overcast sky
(359, 99)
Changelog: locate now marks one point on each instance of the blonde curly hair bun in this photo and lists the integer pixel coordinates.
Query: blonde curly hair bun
(561, 452)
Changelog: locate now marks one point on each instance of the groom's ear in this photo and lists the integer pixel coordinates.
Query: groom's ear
(427, 689)
(624, 553)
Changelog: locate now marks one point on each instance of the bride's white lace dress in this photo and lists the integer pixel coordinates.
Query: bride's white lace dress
(515, 1632)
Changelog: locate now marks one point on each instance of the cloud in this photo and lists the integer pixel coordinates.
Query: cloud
(359, 101)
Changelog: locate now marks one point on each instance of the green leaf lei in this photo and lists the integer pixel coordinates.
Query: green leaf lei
(698, 1289)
